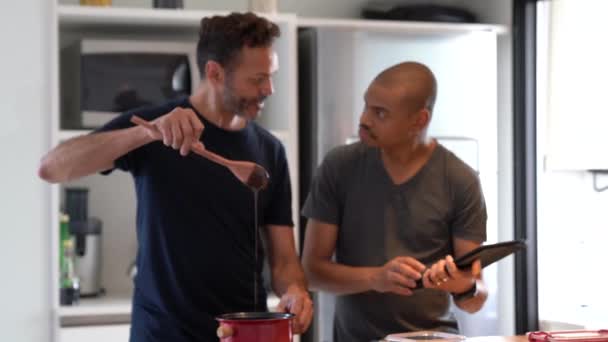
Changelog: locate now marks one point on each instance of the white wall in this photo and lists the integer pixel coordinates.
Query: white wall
(24, 132)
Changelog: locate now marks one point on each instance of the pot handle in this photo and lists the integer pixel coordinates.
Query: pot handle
(224, 331)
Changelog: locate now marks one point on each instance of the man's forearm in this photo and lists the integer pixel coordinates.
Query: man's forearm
(287, 275)
(340, 279)
(474, 304)
(85, 155)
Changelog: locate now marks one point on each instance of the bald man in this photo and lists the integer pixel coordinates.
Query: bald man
(395, 208)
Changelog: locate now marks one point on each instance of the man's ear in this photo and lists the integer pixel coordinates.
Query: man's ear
(214, 72)
(423, 119)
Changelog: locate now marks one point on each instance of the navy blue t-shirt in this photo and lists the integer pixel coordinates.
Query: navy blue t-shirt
(195, 228)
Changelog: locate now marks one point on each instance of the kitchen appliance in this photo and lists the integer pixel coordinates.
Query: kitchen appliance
(336, 66)
(255, 327)
(87, 235)
(102, 78)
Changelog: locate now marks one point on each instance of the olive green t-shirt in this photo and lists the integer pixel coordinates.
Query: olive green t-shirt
(378, 220)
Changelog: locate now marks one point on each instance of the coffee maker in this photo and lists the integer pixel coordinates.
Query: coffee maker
(87, 233)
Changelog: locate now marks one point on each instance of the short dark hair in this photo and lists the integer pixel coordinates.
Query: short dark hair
(221, 38)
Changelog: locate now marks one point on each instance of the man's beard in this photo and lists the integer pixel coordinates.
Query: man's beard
(238, 105)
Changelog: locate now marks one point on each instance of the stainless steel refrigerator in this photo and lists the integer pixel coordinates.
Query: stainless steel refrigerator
(335, 67)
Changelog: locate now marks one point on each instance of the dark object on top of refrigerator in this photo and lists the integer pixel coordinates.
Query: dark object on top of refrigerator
(418, 12)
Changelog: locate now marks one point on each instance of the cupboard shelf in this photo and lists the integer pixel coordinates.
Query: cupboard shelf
(110, 309)
(413, 27)
(75, 16)
(105, 305)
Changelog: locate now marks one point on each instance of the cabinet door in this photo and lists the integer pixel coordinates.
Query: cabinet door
(575, 86)
(100, 333)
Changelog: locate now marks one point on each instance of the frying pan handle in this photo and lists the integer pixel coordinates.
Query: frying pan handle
(224, 331)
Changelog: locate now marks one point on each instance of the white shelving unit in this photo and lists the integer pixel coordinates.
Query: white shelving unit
(110, 310)
(82, 16)
(414, 28)
(280, 117)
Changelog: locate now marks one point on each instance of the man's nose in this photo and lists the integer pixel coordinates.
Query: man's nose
(267, 88)
(365, 118)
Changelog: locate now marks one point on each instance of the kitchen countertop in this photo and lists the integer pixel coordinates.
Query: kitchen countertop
(521, 338)
(498, 339)
(110, 309)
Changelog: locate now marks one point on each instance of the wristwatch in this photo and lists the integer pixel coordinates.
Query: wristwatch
(470, 293)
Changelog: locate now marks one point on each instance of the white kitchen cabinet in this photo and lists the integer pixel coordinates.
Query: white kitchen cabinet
(102, 333)
(365, 53)
(112, 198)
(573, 68)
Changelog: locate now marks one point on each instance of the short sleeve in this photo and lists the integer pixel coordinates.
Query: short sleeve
(323, 201)
(470, 215)
(279, 211)
(131, 160)
(127, 161)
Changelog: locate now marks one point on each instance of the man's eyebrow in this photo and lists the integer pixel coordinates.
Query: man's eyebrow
(378, 107)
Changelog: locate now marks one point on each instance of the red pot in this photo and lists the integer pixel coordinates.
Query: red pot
(255, 327)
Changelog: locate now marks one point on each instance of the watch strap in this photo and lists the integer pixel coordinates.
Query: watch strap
(470, 293)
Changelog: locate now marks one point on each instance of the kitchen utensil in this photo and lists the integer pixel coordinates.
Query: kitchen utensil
(426, 335)
(250, 174)
(255, 327)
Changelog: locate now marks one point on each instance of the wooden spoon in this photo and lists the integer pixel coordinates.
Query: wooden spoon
(250, 174)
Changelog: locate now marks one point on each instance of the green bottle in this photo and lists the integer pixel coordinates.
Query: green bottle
(64, 236)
